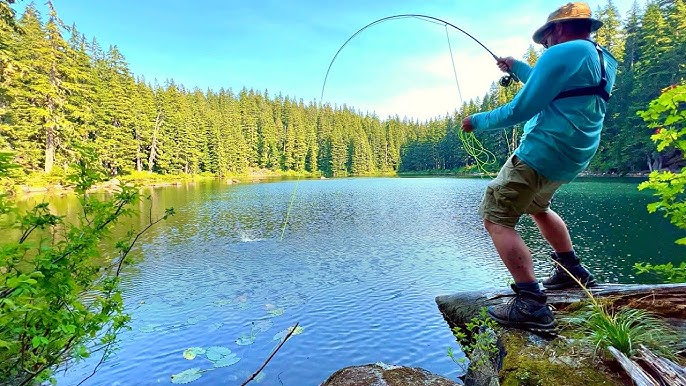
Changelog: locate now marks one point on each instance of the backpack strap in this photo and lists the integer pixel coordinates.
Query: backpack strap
(591, 90)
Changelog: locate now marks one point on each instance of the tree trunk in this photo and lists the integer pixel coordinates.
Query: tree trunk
(49, 148)
(139, 161)
(153, 144)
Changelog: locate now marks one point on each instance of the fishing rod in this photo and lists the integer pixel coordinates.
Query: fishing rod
(504, 81)
(472, 146)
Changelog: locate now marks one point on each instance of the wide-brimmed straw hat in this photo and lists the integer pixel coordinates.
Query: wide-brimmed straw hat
(569, 11)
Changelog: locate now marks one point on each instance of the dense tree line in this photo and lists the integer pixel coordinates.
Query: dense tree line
(60, 91)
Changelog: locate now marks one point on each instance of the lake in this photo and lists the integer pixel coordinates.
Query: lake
(359, 266)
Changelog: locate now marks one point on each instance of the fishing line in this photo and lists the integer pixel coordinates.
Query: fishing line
(452, 60)
(288, 211)
(482, 156)
(471, 144)
(510, 76)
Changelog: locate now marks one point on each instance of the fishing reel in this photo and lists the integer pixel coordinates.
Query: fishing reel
(507, 80)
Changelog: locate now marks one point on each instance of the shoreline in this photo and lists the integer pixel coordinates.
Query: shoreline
(151, 180)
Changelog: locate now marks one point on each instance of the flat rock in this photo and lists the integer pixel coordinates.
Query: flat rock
(381, 374)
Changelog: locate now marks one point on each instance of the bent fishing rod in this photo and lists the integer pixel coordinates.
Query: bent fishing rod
(473, 146)
(505, 81)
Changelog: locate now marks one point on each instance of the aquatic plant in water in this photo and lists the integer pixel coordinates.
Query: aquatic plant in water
(219, 356)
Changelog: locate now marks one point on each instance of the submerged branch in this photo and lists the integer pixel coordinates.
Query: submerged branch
(272, 355)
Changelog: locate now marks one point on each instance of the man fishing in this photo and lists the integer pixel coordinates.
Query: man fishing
(563, 101)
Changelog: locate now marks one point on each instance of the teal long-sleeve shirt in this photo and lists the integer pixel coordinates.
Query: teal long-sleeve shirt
(561, 136)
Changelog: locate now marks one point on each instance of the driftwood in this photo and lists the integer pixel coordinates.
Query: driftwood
(637, 374)
(648, 369)
(667, 301)
(667, 372)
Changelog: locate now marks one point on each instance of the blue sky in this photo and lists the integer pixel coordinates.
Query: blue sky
(398, 67)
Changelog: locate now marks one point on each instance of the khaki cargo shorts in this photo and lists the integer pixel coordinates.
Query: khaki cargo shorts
(517, 190)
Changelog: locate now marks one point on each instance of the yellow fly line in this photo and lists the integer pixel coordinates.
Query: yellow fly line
(483, 158)
(472, 146)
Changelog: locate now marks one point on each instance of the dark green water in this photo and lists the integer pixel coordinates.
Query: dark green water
(359, 266)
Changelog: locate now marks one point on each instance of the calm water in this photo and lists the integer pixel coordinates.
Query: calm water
(358, 267)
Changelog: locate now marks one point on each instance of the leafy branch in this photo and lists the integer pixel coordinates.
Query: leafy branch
(57, 303)
(667, 115)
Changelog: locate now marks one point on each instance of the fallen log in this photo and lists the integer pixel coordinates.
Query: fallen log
(532, 354)
(664, 300)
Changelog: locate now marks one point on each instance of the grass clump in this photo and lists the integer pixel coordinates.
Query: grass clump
(623, 328)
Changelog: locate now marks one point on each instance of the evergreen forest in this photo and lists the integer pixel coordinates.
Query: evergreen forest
(61, 91)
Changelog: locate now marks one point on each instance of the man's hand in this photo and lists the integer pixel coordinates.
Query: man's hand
(467, 125)
(505, 64)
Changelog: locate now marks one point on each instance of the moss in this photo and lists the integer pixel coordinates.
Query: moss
(531, 363)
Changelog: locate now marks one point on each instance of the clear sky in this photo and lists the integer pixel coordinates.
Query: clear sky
(398, 67)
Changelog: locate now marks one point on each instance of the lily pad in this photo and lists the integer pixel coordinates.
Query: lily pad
(260, 377)
(276, 312)
(187, 376)
(216, 353)
(245, 340)
(282, 334)
(191, 353)
(226, 361)
(196, 319)
(263, 325)
(216, 326)
(242, 298)
(150, 327)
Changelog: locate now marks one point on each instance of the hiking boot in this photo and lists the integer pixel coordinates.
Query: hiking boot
(527, 310)
(559, 279)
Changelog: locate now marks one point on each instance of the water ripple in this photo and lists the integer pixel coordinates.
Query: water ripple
(358, 268)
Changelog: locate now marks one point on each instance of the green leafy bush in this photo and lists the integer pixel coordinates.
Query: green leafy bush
(478, 341)
(667, 115)
(58, 301)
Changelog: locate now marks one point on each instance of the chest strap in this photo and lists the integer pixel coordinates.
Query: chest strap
(590, 90)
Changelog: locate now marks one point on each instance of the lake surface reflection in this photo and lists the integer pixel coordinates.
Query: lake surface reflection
(359, 266)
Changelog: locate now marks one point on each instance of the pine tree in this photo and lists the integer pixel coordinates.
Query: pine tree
(145, 124)
(339, 146)
(234, 143)
(80, 100)
(250, 115)
(8, 65)
(677, 23)
(115, 133)
(37, 92)
(325, 122)
(610, 35)
(268, 143)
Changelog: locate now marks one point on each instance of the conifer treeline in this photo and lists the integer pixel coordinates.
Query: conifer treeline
(60, 90)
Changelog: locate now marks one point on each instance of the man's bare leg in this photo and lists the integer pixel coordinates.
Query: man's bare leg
(513, 252)
(554, 230)
(528, 310)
